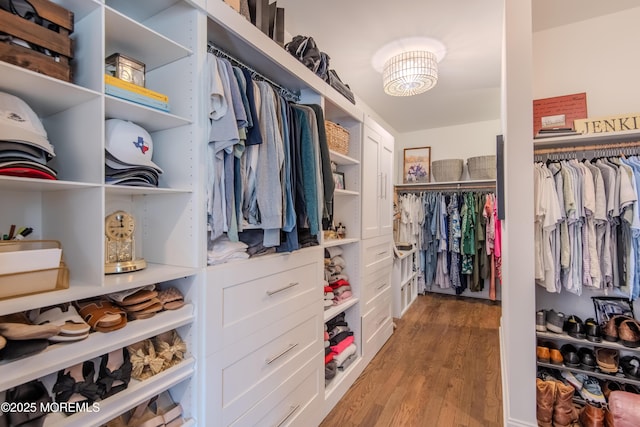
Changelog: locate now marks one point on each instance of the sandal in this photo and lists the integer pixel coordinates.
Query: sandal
(115, 372)
(125, 297)
(144, 360)
(171, 298)
(17, 326)
(76, 384)
(159, 411)
(102, 315)
(72, 327)
(148, 311)
(170, 347)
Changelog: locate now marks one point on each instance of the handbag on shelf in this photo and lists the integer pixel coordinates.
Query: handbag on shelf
(335, 82)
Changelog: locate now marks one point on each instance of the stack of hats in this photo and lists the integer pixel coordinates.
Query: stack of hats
(129, 150)
(24, 147)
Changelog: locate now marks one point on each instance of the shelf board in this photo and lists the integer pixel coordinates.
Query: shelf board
(45, 95)
(341, 159)
(154, 273)
(142, 191)
(566, 337)
(130, 38)
(40, 185)
(619, 377)
(62, 355)
(589, 138)
(338, 242)
(137, 393)
(332, 312)
(338, 192)
(150, 119)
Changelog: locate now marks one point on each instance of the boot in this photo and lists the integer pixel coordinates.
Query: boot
(592, 415)
(545, 398)
(564, 411)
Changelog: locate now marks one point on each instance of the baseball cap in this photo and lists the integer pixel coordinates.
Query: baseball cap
(19, 123)
(129, 143)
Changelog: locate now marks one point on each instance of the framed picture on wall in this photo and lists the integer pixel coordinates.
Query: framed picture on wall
(417, 165)
(338, 180)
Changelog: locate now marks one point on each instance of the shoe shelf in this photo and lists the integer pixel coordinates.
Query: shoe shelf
(154, 273)
(332, 312)
(619, 377)
(63, 355)
(338, 242)
(583, 342)
(136, 393)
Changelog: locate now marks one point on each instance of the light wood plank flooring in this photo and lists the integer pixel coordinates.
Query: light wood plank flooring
(440, 368)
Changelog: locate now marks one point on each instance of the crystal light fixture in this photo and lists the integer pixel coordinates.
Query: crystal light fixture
(410, 73)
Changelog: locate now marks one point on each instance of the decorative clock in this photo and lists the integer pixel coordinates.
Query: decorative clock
(120, 244)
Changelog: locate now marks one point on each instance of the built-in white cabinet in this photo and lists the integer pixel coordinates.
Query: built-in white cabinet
(377, 177)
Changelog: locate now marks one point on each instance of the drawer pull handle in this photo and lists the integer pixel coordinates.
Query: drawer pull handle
(381, 253)
(286, 417)
(290, 285)
(282, 353)
(381, 286)
(381, 321)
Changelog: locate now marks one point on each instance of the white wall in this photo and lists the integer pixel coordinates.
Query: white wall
(598, 56)
(451, 142)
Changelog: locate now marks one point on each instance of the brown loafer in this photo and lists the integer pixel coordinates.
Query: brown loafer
(629, 333)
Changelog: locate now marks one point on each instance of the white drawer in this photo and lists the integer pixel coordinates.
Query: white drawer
(242, 298)
(296, 402)
(374, 284)
(377, 319)
(243, 374)
(377, 253)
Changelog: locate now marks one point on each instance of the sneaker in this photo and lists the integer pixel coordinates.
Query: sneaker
(555, 321)
(591, 391)
(541, 321)
(575, 379)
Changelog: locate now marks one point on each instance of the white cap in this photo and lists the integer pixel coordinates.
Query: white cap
(129, 143)
(19, 123)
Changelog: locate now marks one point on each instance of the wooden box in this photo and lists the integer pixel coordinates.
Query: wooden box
(55, 40)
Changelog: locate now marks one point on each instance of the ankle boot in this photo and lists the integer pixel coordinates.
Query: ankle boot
(564, 411)
(545, 398)
(592, 415)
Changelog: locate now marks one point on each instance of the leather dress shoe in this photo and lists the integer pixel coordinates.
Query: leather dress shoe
(570, 356)
(630, 367)
(594, 334)
(587, 359)
(610, 331)
(629, 333)
(542, 354)
(555, 356)
(607, 359)
(575, 327)
(610, 386)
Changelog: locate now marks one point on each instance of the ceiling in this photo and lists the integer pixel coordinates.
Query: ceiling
(468, 89)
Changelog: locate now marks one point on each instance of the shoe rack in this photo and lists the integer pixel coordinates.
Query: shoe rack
(169, 221)
(582, 306)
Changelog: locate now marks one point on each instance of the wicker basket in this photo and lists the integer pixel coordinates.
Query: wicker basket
(447, 170)
(482, 167)
(337, 137)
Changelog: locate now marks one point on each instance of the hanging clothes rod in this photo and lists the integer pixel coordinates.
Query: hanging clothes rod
(445, 187)
(588, 151)
(286, 93)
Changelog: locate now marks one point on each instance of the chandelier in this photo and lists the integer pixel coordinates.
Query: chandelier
(410, 73)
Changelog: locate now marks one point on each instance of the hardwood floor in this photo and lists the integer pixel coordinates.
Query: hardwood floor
(440, 368)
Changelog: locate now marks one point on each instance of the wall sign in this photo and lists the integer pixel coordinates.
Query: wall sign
(609, 124)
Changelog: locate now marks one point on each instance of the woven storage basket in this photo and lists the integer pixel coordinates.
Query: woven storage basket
(482, 167)
(337, 137)
(447, 170)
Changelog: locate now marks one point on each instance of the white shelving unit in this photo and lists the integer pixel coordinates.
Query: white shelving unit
(404, 280)
(72, 209)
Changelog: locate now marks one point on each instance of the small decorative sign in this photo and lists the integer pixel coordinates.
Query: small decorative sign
(608, 124)
(559, 111)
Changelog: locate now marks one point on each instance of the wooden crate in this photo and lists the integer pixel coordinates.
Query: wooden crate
(55, 41)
